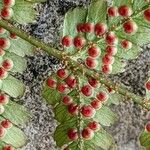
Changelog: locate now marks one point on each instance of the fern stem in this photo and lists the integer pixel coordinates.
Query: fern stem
(52, 51)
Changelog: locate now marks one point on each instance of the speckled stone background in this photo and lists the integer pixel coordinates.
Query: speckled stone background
(41, 128)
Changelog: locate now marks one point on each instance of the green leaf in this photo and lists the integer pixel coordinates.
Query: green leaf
(138, 4)
(118, 66)
(74, 146)
(24, 12)
(2, 144)
(145, 140)
(101, 139)
(97, 14)
(129, 53)
(105, 116)
(21, 47)
(122, 2)
(61, 131)
(14, 136)
(36, 1)
(114, 98)
(52, 96)
(20, 63)
(60, 110)
(13, 87)
(72, 19)
(16, 113)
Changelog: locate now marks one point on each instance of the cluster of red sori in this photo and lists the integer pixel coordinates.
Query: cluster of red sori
(5, 43)
(69, 81)
(126, 12)
(8, 147)
(4, 100)
(4, 126)
(6, 66)
(7, 11)
(147, 86)
(87, 133)
(87, 111)
(101, 30)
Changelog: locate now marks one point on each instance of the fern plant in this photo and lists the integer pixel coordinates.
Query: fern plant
(12, 58)
(97, 42)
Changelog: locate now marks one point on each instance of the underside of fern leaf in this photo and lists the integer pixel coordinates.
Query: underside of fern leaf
(12, 59)
(101, 38)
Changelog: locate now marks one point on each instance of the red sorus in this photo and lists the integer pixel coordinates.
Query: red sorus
(147, 85)
(73, 134)
(2, 132)
(66, 41)
(80, 27)
(111, 50)
(4, 43)
(91, 63)
(130, 27)
(147, 14)
(79, 42)
(111, 38)
(7, 147)
(6, 124)
(2, 30)
(108, 59)
(9, 3)
(112, 11)
(148, 127)
(62, 73)
(107, 69)
(96, 104)
(6, 13)
(67, 100)
(2, 52)
(102, 96)
(73, 109)
(88, 111)
(125, 11)
(3, 73)
(88, 27)
(95, 126)
(94, 51)
(94, 83)
(87, 134)
(71, 81)
(13, 36)
(7, 64)
(2, 109)
(4, 99)
(110, 90)
(62, 88)
(67, 148)
(126, 44)
(51, 82)
(100, 29)
(87, 90)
